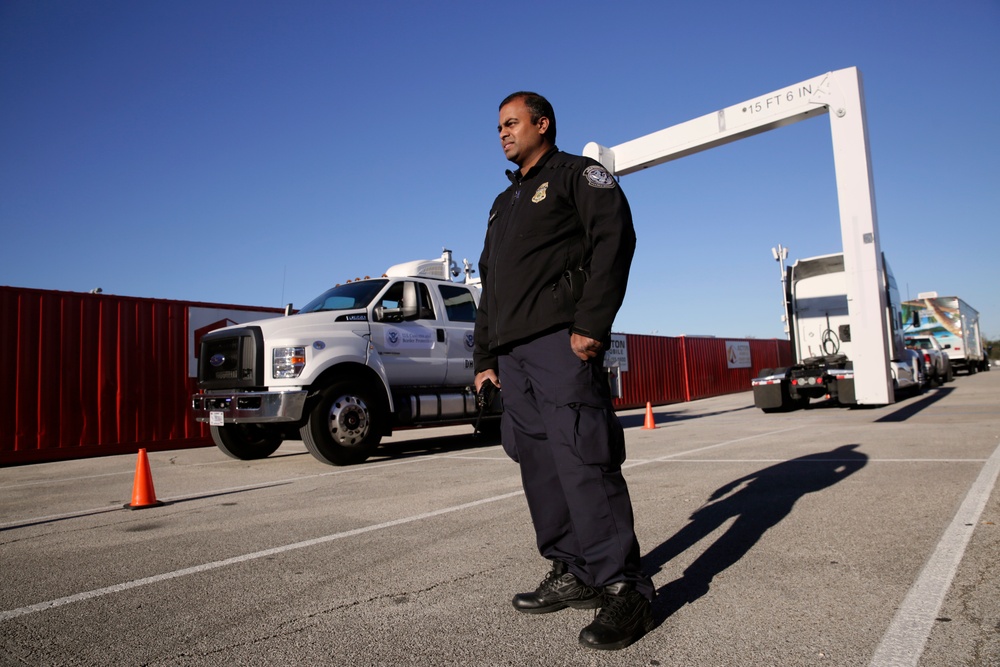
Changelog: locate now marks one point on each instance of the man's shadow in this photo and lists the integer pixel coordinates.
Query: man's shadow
(767, 498)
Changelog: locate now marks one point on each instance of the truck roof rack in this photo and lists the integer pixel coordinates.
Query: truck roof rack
(420, 268)
(442, 268)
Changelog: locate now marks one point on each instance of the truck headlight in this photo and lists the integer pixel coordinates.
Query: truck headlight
(289, 361)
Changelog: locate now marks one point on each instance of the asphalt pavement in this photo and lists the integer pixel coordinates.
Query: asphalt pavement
(827, 536)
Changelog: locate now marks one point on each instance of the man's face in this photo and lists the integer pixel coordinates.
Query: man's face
(523, 142)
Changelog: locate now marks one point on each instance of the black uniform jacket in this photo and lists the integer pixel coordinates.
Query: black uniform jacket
(565, 221)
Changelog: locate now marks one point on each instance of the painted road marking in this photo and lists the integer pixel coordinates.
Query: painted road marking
(903, 643)
(205, 567)
(117, 588)
(901, 646)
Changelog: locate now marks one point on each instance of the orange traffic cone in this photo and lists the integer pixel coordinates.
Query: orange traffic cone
(650, 422)
(143, 494)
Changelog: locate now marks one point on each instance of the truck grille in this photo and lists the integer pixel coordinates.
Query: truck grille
(231, 359)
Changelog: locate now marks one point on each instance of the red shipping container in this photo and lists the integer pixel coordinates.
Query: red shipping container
(95, 374)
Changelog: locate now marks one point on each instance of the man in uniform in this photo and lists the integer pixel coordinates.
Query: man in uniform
(555, 263)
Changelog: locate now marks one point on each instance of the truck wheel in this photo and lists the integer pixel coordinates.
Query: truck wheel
(949, 375)
(246, 441)
(340, 429)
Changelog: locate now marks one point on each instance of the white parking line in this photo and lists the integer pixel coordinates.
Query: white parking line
(217, 492)
(120, 473)
(904, 641)
(50, 604)
(707, 447)
(901, 646)
(49, 482)
(117, 588)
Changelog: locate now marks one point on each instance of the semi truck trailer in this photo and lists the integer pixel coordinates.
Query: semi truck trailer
(954, 323)
(825, 340)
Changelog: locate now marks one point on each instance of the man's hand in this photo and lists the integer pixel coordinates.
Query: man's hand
(583, 347)
(488, 374)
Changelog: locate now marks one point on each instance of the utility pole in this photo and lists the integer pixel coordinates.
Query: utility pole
(780, 254)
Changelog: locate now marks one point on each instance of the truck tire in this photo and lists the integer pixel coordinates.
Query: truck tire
(340, 430)
(949, 375)
(246, 441)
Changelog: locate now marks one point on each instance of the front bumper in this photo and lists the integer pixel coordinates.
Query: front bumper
(252, 407)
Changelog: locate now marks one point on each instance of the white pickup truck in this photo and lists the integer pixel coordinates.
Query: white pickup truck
(357, 361)
(936, 361)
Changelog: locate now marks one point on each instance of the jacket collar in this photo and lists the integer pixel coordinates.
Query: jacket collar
(516, 176)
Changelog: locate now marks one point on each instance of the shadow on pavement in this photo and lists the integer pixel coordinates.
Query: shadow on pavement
(767, 498)
(630, 421)
(912, 408)
(435, 445)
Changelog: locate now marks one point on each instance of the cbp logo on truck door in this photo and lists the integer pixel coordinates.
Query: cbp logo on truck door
(470, 340)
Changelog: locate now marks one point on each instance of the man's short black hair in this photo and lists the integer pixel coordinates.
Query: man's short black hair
(538, 106)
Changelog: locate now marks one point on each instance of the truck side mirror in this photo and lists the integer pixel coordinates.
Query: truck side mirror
(915, 319)
(946, 346)
(411, 304)
(408, 306)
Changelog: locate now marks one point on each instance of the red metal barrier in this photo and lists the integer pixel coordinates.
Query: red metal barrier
(94, 374)
(708, 368)
(87, 374)
(655, 372)
(672, 370)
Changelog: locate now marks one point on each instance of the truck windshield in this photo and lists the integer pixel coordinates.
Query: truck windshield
(349, 296)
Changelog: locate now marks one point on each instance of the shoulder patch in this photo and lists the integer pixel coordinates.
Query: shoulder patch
(598, 177)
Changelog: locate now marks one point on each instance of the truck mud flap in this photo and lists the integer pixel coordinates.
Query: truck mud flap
(767, 397)
(845, 392)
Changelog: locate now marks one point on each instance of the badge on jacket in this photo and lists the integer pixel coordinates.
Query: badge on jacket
(598, 177)
(540, 192)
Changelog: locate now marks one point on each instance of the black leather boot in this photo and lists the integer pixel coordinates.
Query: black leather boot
(559, 589)
(625, 616)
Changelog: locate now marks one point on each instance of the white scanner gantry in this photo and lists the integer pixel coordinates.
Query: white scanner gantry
(838, 95)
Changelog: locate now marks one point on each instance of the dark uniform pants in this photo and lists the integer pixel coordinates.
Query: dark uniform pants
(558, 424)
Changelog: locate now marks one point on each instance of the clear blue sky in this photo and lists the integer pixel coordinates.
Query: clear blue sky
(258, 152)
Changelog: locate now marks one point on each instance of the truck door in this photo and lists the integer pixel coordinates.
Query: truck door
(412, 349)
(459, 321)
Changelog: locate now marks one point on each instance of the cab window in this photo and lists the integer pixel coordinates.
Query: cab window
(458, 303)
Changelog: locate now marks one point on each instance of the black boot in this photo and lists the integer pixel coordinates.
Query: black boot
(559, 589)
(625, 616)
